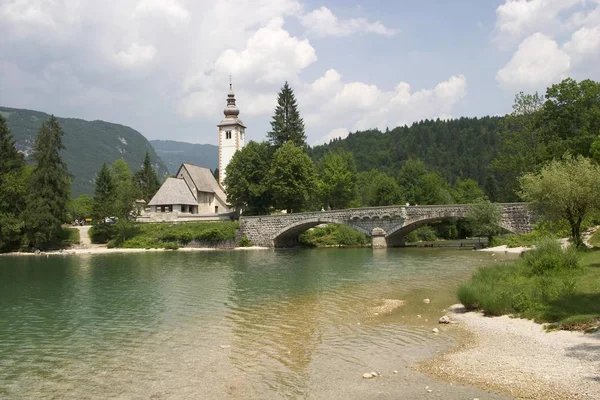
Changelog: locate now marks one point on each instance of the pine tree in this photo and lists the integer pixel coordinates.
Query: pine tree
(104, 195)
(287, 124)
(12, 189)
(49, 187)
(146, 180)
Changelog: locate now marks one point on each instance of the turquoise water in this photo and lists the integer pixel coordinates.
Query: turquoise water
(239, 324)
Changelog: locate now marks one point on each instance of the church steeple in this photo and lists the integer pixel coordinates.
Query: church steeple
(232, 133)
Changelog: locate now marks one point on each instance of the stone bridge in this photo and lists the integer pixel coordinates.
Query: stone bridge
(387, 226)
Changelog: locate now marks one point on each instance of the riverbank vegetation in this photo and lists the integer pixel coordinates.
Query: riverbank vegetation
(548, 284)
(332, 235)
(162, 235)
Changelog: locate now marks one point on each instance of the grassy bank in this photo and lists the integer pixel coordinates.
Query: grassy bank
(334, 235)
(170, 236)
(547, 284)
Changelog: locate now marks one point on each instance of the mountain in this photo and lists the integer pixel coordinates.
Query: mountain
(88, 145)
(175, 153)
(457, 149)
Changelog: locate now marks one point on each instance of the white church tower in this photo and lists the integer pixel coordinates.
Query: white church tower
(232, 135)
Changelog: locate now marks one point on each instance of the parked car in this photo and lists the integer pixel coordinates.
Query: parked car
(110, 220)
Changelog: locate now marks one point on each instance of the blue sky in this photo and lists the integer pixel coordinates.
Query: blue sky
(162, 66)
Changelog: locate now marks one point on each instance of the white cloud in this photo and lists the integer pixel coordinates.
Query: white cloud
(585, 42)
(323, 22)
(135, 55)
(538, 62)
(169, 8)
(516, 19)
(271, 55)
(336, 133)
(356, 95)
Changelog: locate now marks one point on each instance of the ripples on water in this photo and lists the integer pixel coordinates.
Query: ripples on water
(256, 324)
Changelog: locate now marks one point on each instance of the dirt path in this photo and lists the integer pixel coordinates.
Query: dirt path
(84, 239)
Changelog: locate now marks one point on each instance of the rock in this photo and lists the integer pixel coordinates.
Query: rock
(457, 308)
(444, 320)
(429, 390)
(374, 374)
(426, 301)
(368, 375)
(435, 330)
(224, 346)
(395, 371)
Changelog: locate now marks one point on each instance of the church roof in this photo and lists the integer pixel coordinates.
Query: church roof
(204, 180)
(173, 191)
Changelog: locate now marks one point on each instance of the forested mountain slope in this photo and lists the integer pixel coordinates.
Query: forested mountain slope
(175, 153)
(461, 148)
(88, 145)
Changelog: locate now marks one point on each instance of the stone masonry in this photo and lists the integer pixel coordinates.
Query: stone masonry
(391, 222)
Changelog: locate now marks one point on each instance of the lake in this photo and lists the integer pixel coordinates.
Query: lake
(229, 324)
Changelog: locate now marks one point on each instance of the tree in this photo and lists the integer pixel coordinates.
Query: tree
(125, 192)
(104, 194)
(247, 178)
(81, 207)
(374, 188)
(571, 117)
(484, 218)
(564, 189)
(467, 191)
(292, 178)
(146, 181)
(286, 124)
(410, 178)
(337, 179)
(49, 187)
(522, 146)
(13, 187)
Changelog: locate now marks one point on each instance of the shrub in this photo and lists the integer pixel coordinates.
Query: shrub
(101, 233)
(549, 255)
(245, 242)
(171, 245)
(423, 234)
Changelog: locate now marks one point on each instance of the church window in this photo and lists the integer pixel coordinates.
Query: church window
(227, 134)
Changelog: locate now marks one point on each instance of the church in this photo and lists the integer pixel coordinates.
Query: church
(194, 194)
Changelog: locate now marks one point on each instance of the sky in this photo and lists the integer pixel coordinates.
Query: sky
(163, 66)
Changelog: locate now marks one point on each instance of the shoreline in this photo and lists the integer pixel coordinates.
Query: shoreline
(106, 250)
(518, 357)
(505, 249)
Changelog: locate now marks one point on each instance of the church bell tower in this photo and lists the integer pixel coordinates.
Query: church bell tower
(232, 134)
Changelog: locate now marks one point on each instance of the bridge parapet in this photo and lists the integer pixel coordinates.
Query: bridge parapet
(280, 230)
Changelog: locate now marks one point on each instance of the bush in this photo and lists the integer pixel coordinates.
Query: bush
(245, 242)
(333, 235)
(549, 255)
(422, 234)
(171, 246)
(101, 233)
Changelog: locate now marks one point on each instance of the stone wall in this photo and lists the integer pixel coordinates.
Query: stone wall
(282, 230)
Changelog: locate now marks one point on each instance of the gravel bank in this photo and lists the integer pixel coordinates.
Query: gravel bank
(517, 357)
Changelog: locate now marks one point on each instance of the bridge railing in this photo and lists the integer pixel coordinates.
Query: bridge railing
(374, 208)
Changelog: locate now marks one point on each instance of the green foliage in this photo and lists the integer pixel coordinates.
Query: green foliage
(292, 178)
(125, 191)
(286, 124)
(49, 187)
(248, 178)
(548, 284)
(70, 236)
(245, 242)
(171, 246)
(146, 180)
(13, 187)
(81, 207)
(101, 233)
(104, 195)
(467, 191)
(484, 218)
(337, 179)
(564, 189)
(422, 234)
(88, 144)
(374, 188)
(333, 235)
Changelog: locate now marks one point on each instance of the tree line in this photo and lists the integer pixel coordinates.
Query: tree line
(35, 200)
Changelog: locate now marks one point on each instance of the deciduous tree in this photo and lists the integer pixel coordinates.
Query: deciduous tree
(125, 192)
(484, 218)
(564, 189)
(292, 178)
(337, 179)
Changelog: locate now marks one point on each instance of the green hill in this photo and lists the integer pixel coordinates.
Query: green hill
(88, 144)
(175, 153)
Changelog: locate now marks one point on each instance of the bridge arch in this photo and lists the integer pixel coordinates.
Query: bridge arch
(395, 237)
(287, 236)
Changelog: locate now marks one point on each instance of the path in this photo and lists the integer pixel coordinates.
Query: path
(84, 238)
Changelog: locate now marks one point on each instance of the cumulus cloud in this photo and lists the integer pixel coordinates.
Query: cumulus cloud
(135, 55)
(337, 133)
(168, 8)
(584, 42)
(538, 62)
(323, 22)
(271, 55)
